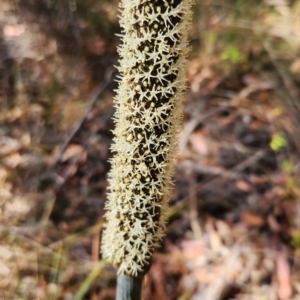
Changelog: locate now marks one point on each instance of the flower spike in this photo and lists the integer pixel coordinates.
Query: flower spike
(148, 118)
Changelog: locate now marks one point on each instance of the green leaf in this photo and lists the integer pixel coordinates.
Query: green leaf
(232, 54)
(287, 166)
(278, 141)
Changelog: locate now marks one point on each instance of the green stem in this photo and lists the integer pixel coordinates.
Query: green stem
(129, 288)
(85, 286)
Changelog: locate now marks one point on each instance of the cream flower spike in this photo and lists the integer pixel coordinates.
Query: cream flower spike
(148, 118)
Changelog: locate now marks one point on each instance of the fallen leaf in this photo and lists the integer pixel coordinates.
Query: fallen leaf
(4, 270)
(71, 151)
(255, 179)
(13, 30)
(16, 207)
(242, 186)
(14, 114)
(203, 276)
(251, 219)
(199, 143)
(192, 249)
(13, 160)
(295, 66)
(273, 224)
(283, 275)
(213, 235)
(8, 145)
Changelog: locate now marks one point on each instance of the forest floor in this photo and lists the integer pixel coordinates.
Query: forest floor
(234, 222)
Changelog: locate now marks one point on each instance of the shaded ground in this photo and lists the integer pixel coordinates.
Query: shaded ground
(234, 229)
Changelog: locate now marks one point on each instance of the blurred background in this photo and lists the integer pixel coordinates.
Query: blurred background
(234, 229)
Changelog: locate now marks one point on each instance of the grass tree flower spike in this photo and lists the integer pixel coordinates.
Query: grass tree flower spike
(148, 118)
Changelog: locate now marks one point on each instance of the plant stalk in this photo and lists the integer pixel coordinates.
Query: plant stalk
(129, 288)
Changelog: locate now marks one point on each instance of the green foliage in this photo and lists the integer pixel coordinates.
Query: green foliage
(278, 141)
(232, 54)
(233, 33)
(86, 284)
(295, 239)
(287, 166)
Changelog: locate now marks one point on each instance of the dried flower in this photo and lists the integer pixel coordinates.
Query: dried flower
(148, 117)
